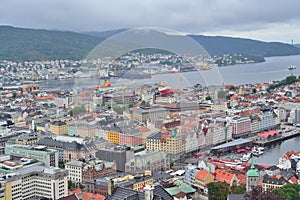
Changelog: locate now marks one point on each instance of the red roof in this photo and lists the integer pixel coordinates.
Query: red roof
(201, 175)
(267, 134)
(223, 176)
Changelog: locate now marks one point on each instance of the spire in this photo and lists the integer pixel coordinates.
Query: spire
(252, 163)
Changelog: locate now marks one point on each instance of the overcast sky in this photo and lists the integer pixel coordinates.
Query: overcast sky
(268, 20)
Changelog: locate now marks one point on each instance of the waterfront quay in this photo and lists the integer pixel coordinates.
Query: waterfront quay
(284, 136)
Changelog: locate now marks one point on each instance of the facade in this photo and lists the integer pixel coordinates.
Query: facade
(83, 170)
(271, 183)
(70, 148)
(190, 173)
(27, 139)
(119, 154)
(203, 178)
(143, 115)
(41, 153)
(113, 137)
(241, 127)
(36, 182)
(173, 145)
(59, 127)
(153, 161)
(267, 120)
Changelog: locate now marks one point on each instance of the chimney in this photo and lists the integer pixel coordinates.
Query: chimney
(111, 186)
(148, 192)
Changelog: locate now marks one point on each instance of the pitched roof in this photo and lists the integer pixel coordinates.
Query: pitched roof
(223, 176)
(201, 175)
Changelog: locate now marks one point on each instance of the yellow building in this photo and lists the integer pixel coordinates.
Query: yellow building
(172, 144)
(113, 137)
(59, 127)
(27, 139)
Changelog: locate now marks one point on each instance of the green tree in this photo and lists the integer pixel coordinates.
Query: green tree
(217, 191)
(14, 95)
(70, 184)
(254, 90)
(289, 191)
(208, 98)
(238, 189)
(258, 194)
(232, 88)
(81, 186)
(171, 162)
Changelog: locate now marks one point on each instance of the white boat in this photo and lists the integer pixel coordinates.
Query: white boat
(246, 157)
(292, 67)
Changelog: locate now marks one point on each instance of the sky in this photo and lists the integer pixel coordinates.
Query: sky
(267, 20)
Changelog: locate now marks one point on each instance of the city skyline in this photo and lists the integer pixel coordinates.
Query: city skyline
(271, 21)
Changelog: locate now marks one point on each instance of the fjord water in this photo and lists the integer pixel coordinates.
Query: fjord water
(274, 68)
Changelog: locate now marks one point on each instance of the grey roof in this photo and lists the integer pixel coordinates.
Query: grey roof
(71, 146)
(232, 143)
(120, 193)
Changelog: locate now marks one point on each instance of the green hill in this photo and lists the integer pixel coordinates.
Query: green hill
(34, 44)
(218, 45)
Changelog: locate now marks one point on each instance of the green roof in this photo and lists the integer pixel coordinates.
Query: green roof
(181, 187)
(252, 172)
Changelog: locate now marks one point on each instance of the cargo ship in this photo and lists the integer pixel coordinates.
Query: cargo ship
(165, 90)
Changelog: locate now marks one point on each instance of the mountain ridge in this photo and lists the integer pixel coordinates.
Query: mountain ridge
(40, 44)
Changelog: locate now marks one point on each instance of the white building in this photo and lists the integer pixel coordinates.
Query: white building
(36, 182)
(41, 153)
(75, 171)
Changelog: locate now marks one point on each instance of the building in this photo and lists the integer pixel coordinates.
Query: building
(71, 148)
(252, 177)
(202, 179)
(271, 183)
(173, 144)
(90, 168)
(143, 115)
(36, 182)
(105, 186)
(121, 155)
(190, 173)
(148, 160)
(241, 127)
(59, 127)
(27, 139)
(41, 153)
(226, 177)
(9, 164)
(149, 193)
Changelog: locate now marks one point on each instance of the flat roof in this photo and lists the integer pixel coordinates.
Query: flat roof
(232, 143)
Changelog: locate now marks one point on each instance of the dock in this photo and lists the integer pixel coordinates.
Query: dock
(285, 136)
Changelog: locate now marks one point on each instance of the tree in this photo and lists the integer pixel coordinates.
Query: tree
(254, 90)
(289, 191)
(81, 186)
(14, 95)
(217, 191)
(171, 162)
(208, 98)
(258, 194)
(238, 190)
(232, 88)
(70, 184)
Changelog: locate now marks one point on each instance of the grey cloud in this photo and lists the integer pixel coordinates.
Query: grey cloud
(189, 15)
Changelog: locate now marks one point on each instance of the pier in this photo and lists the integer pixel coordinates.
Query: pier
(286, 135)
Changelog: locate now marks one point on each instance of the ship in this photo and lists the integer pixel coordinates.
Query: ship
(174, 70)
(105, 84)
(165, 90)
(291, 67)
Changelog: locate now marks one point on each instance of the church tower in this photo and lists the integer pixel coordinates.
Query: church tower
(252, 177)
